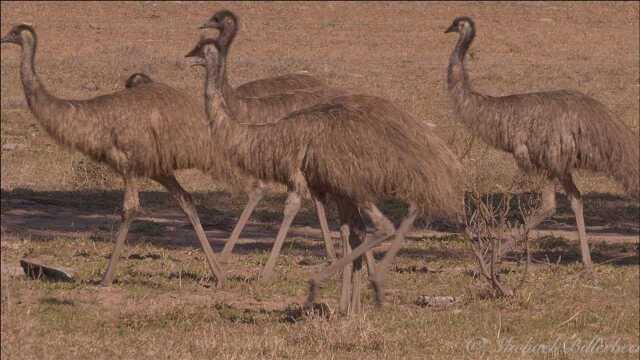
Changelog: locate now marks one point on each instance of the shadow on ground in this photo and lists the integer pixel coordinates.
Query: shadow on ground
(44, 215)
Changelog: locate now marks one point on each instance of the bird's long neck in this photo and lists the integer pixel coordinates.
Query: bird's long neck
(214, 93)
(457, 80)
(33, 88)
(59, 117)
(479, 113)
(234, 103)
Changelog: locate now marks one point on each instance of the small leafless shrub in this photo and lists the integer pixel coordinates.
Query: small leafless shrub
(496, 227)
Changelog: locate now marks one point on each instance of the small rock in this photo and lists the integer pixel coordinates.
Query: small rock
(90, 86)
(9, 146)
(436, 301)
(37, 270)
(144, 256)
(296, 312)
(412, 269)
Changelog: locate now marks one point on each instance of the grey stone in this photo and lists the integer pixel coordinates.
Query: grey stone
(36, 269)
(436, 301)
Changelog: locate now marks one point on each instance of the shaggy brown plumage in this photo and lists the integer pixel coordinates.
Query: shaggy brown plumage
(228, 24)
(553, 132)
(147, 130)
(396, 154)
(277, 85)
(355, 148)
(267, 100)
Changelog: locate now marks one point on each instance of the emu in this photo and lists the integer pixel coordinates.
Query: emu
(137, 79)
(264, 100)
(553, 133)
(147, 130)
(353, 148)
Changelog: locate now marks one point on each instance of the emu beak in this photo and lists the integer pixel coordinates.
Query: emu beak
(4, 39)
(192, 53)
(211, 24)
(452, 28)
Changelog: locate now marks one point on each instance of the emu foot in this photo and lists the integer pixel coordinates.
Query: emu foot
(378, 291)
(314, 288)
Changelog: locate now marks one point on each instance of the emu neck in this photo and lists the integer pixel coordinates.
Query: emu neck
(216, 87)
(33, 88)
(479, 113)
(457, 80)
(58, 117)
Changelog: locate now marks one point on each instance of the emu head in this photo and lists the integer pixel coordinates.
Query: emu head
(462, 25)
(227, 23)
(222, 20)
(19, 34)
(136, 80)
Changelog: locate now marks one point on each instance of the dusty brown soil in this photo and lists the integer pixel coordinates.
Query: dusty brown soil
(57, 205)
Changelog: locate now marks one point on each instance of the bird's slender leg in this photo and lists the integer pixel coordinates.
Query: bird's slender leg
(353, 233)
(186, 203)
(345, 293)
(255, 195)
(382, 223)
(291, 208)
(384, 227)
(324, 227)
(547, 208)
(318, 278)
(357, 237)
(577, 206)
(396, 245)
(130, 207)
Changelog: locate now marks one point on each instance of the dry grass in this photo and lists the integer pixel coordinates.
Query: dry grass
(162, 303)
(58, 206)
(162, 306)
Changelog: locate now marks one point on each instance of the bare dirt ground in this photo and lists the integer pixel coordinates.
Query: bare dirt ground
(58, 206)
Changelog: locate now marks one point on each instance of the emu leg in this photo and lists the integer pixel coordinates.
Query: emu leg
(383, 225)
(345, 293)
(291, 208)
(186, 203)
(357, 237)
(324, 227)
(548, 207)
(130, 207)
(381, 222)
(255, 195)
(320, 277)
(353, 233)
(396, 245)
(576, 205)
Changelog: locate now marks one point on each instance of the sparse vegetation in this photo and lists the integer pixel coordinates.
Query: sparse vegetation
(164, 303)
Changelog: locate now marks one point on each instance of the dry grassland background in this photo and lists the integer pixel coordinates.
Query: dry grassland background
(58, 205)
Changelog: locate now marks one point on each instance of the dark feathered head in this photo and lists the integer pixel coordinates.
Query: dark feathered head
(227, 23)
(136, 80)
(221, 20)
(461, 25)
(15, 35)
